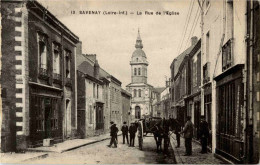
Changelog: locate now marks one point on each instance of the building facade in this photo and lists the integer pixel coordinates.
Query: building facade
(193, 100)
(253, 80)
(126, 107)
(115, 101)
(39, 87)
(141, 91)
(180, 80)
(157, 109)
(90, 100)
(225, 92)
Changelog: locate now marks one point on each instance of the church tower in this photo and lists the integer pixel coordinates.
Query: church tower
(139, 88)
(139, 62)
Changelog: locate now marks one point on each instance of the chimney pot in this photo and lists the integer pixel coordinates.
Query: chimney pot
(194, 40)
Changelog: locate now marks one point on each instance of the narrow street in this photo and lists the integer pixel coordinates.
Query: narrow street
(99, 153)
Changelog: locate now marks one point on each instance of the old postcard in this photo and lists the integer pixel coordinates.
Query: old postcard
(130, 81)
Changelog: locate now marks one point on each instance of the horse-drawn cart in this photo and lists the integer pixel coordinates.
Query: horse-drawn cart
(149, 124)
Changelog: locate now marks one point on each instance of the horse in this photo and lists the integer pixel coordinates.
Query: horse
(158, 135)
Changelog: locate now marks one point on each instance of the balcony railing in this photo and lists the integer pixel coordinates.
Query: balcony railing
(68, 82)
(57, 78)
(227, 55)
(206, 77)
(43, 74)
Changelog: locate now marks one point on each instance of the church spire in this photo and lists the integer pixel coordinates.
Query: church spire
(138, 41)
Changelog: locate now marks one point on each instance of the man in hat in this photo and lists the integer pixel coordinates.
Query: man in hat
(113, 134)
(132, 131)
(124, 130)
(188, 134)
(204, 134)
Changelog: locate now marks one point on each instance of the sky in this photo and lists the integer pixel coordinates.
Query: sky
(112, 37)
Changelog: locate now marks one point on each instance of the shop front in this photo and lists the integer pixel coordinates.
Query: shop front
(230, 116)
(45, 115)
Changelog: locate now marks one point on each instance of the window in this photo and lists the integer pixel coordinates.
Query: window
(135, 71)
(56, 58)
(227, 55)
(90, 115)
(139, 91)
(229, 19)
(97, 90)
(134, 92)
(207, 46)
(94, 90)
(195, 70)
(68, 62)
(139, 71)
(137, 59)
(42, 51)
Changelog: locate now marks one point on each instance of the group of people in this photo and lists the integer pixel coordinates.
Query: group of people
(161, 132)
(188, 134)
(125, 130)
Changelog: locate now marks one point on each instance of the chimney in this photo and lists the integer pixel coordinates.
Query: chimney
(194, 40)
(96, 69)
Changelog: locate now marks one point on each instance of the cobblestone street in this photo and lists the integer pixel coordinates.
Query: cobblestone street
(99, 153)
(196, 157)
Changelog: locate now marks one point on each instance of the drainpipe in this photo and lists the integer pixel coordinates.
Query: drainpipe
(248, 97)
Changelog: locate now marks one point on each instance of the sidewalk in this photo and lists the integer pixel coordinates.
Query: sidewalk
(20, 157)
(196, 157)
(71, 144)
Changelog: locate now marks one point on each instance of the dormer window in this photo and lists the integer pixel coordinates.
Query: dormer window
(136, 59)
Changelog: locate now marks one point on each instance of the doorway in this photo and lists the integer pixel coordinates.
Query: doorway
(137, 112)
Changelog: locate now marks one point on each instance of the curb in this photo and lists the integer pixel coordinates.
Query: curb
(71, 148)
(35, 158)
(82, 145)
(176, 154)
(223, 159)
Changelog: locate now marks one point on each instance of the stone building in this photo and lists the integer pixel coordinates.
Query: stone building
(253, 80)
(193, 99)
(126, 106)
(156, 102)
(110, 97)
(179, 83)
(37, 76)
(90, 100)
(115, 101)
(228, 47)
(141, 91)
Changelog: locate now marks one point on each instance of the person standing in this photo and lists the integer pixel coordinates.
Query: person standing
(177, 130)
(124, 130)
(188, 134)
(132, 131)
(204, 134)
(113, 134)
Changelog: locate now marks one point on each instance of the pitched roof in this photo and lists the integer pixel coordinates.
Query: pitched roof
(179, 59)
(86, 68)
(159, 89)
